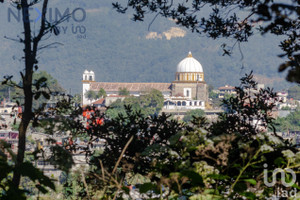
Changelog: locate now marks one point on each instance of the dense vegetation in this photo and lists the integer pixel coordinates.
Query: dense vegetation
(149, 103)
(15, 94)
(290, 122)
(192, 114)
(165, 159)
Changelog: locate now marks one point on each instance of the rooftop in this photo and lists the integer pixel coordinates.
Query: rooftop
(131, 87)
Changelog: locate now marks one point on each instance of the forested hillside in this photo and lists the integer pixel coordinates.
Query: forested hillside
(118, 49)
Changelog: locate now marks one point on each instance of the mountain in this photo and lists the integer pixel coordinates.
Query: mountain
(118, 49)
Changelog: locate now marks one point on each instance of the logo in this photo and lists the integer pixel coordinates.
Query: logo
(283, 174)
(77, 16)
(54, 14)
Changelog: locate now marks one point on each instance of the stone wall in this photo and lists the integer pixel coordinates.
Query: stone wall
(202, 92)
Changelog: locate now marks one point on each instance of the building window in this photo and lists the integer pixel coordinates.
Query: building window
(195, 103)
(184, 103)
(85, 77)
(91, 78)
(178, 77)
(178, 103)
(187, 93)
(191, 103)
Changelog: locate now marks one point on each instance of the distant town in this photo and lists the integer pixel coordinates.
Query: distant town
(188, 92)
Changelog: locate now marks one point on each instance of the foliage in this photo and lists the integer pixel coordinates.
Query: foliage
(124, 92)
(50, 82)
(149, 103)
(192, 114)
(232, 19)
(213, 95)
(101, 93)
(33, 87)
(77, 98)
(8, 189)
(222, 160)
(45, 83)
(290, 122)
(91, 95)
(145, 131)
(6, 91)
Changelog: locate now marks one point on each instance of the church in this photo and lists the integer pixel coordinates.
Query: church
(188, 90)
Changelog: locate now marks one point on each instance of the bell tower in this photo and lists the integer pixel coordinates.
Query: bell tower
(87, 78)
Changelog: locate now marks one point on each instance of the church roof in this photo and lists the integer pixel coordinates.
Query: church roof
(189, 64)
(98, 102)
(131, 87)
(226, 87)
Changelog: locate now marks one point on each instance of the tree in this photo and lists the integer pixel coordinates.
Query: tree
(115, 109)
(232, 19)
(91, 95)
(31, 89)
(152, 101)
(223, 160)
(124, 92)
(149, 103)
(213, 95)
(51, 83)
(192, 114)
(101, 93)
(290, 122)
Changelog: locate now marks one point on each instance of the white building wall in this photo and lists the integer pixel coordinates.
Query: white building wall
(87, 78)
(85, 88)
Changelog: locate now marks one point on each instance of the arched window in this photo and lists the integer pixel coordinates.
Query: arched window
(91, 78)
(191, 103)
(178, 103)
(183, 103)
(85, 77)
(195, 103)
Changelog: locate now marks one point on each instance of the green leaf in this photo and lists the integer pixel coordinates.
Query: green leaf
(251, 181)
(146, 187)
(249, 195)
(279, 161)
(46, 95)
(218, 176)
(174, 139)
(37, 95)
(240, 187)
(205, 197)
(126, 189)
(195, 178)
(211, 191)
(296, 186)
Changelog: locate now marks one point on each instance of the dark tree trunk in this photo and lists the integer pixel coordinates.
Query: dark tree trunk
(27, 89)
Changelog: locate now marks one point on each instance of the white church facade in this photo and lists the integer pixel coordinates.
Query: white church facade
(188, 91)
